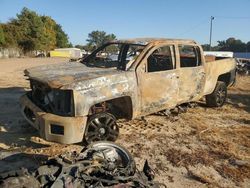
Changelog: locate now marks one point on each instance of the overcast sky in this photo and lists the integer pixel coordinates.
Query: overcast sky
(142, 18)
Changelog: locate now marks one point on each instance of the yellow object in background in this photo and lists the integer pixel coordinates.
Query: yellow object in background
(59, 54)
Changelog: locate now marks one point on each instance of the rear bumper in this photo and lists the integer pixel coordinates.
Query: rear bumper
(66, 130)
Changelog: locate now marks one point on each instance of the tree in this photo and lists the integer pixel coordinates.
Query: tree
(31, 29)
(11, 35)
(205, 47)
(61, 37)
(98, 38)
(232, 44)
(79, 46)
(248, 46)
(2, 38)
(49, 34)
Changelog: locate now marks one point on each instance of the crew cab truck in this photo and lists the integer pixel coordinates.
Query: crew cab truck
(76, 101)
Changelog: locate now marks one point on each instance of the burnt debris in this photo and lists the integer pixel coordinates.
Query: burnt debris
(102, 164)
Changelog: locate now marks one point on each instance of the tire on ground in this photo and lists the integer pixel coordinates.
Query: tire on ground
(219, 95)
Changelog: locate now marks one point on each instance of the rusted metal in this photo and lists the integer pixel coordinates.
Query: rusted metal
(133, 91)
(101, 164)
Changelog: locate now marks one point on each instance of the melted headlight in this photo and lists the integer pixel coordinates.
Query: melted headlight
(56, 101)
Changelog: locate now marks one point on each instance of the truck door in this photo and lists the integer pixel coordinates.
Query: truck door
(191, 73)
(157, 79)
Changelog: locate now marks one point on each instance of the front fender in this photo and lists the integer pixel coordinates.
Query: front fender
(103, 89)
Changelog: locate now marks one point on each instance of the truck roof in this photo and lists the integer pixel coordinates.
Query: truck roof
(145, 41)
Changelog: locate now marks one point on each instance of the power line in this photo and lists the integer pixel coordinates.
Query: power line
(193, 27)
(232, 17)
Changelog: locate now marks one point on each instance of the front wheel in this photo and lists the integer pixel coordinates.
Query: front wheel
(219, 95)
(100, 127)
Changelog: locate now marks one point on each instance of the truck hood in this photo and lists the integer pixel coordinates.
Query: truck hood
(62, 74)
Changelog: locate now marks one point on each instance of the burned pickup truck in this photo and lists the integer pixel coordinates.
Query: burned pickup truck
(76, 101)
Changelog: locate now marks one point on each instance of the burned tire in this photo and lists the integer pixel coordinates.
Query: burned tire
(118, 155)
(219, 95)
(101, 127)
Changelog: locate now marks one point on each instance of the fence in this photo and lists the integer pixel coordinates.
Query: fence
(9, 52)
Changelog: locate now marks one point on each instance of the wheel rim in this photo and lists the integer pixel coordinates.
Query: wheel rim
(102, 127)
(221, 96)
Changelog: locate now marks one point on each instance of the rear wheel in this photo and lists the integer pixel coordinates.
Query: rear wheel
(101, 126)
(219, 95)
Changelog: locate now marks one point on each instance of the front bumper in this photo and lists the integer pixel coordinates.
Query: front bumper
(66, 130)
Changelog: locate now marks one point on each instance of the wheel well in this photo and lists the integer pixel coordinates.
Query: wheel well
(225, 78)
(120, 107)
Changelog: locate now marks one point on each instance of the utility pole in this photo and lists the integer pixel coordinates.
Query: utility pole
(211, 29)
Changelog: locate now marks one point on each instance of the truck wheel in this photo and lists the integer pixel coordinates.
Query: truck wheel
(101, 126)
(219, 95)
(119, 156)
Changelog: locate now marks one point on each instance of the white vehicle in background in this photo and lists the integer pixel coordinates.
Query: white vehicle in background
(219, 54)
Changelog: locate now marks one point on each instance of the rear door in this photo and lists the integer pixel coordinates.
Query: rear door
(157, 79)
(191, 73)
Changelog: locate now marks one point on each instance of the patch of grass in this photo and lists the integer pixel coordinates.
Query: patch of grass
(237, 174)
(180, 158)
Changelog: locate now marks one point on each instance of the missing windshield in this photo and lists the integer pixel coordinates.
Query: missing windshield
(114, 55)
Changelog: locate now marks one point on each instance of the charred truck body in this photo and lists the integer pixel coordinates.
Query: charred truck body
(122, 79)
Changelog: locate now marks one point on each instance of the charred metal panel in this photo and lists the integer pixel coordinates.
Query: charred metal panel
(159, 90)
(214, 69)
(191, 83)
(59, 75)
(104, 88)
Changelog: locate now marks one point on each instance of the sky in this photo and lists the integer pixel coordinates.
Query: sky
(189, 19)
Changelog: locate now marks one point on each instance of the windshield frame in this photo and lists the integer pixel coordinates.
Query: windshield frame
(123, 65)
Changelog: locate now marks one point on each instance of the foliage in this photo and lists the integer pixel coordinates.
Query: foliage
(248, 46)
(49, 40)
(30, 27)
(205, 47)
(231, 44)
(79, 46)
(30, 31)
(11, 35)
(98, 38)
(61, 37)
(2, 38)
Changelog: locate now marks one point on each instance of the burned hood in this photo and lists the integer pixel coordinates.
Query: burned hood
(63, 74)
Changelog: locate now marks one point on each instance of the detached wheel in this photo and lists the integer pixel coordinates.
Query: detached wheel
(118, 157)
(219, 95)
(101, 126)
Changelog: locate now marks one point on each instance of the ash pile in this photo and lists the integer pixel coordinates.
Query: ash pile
(102, 164)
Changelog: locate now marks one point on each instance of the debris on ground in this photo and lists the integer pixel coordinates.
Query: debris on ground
(102, 164)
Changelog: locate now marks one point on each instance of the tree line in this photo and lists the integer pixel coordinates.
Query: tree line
(96, 39)
(30, 31)
(231, 44)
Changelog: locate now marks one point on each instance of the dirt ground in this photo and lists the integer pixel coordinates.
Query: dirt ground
(203, 147)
